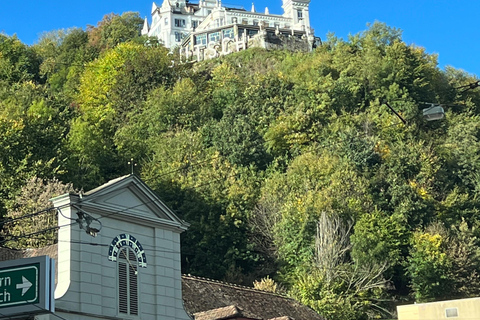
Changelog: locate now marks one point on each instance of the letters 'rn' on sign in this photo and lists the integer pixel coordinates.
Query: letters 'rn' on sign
(26, 286)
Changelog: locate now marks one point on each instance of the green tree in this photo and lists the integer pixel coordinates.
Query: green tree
(33, 131)
(31, 212)
(114, 29)
(104, 106)
(64, 53)
(444, 264)
(18, 62)
(333, 286)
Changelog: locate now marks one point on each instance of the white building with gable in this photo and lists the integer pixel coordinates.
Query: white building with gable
(131, 269)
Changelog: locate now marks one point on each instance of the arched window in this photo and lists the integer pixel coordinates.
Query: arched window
(127, 282)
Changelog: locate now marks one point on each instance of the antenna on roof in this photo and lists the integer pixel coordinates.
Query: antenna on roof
(132, 164)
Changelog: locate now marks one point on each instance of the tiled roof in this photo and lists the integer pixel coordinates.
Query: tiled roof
(10, 254)
(201, 295)
(218, 314)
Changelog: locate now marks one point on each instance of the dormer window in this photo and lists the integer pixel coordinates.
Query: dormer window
(127, 275)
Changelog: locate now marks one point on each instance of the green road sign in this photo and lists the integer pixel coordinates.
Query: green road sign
(27, 287)
(19, 285)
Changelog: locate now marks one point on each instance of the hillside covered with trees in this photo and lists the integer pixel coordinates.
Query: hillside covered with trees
(288, 166)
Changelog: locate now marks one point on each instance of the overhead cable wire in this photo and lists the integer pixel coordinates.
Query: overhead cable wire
(9, 220)
(469, 86)
(13, 238)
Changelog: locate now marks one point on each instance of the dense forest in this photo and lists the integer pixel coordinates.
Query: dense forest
(291, 168)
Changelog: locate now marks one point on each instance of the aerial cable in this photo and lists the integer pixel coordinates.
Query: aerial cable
(469, 86)
(9, 220)
(12, 238)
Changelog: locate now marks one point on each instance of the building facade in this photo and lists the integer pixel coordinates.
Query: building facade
(209, 29)
(131, 269)
(460, 309)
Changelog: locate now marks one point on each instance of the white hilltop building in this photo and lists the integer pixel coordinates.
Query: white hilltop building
(208, 29)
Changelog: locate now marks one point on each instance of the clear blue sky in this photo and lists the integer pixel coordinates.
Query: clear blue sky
(448, 28)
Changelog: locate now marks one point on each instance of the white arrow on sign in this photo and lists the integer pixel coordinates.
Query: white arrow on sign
(24, 286)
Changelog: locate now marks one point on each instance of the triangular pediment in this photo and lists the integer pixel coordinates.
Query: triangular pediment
(127, 200)
(130, 198)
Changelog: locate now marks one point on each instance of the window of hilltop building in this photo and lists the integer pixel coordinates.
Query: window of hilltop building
(255, 22)
(127, 274)
(234, 20)
(201, 39)
(214, 36)
(178, 36)
(244, 21)
(194, 24)
(300, 14)
(228, 33)
(240, 32)
(276, 25)
(180, 23)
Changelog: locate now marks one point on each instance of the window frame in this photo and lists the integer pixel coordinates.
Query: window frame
(179, 23)
(451, 312)
(128, 288)
(300, 14)
(178, 36)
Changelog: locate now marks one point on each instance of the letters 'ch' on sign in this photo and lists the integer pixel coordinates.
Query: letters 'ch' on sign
(26, 286)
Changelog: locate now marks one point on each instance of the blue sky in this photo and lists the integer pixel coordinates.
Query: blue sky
(447, 28)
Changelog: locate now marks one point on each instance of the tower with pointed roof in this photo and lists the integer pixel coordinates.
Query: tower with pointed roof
(297, 11)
